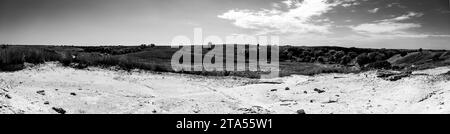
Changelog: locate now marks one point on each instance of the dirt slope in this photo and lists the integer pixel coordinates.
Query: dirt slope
(51, 88)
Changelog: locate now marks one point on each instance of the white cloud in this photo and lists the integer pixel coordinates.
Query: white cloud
(404, 17)
(289, 3)
(388, 26)
(385, 27)
(349, 3)
(276, 5)
(375, 10)
(299, 18)
(395, 4)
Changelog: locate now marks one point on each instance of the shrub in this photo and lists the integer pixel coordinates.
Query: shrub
(345, 60)
(13, 58)
(379, 65)
(362, 59)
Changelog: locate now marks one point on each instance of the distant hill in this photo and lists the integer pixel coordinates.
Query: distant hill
(293, 59)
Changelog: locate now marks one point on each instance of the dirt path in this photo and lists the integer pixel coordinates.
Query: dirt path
(51, 88)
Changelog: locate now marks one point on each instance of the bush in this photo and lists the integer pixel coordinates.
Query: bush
(345, 60)
(13, 58)
(362, 59)
(379, 65)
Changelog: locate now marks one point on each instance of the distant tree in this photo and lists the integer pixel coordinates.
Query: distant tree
(381, 57)
(362, 59)
(403, 53)
(210, 46)
(332, 52)
(420, 50)
(143, 46)
(152, 45)
(380, 65)
(340, 54)
(352, 54)
(318, 53)
(372, 56)
(321, 59)
(376, 56)
(307, 58)
(345, 60)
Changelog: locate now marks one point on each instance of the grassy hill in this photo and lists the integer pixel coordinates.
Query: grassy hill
(293, 60)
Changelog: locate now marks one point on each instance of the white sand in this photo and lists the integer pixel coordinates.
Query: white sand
(106, 91)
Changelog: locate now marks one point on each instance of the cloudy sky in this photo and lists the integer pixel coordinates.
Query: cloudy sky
(350, 23)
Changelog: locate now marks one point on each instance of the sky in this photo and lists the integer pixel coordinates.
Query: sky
(408, 24)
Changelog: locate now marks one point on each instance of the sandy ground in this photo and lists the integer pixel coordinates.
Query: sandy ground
(51, 88)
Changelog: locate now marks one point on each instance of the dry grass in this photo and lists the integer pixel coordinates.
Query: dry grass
(12, 58)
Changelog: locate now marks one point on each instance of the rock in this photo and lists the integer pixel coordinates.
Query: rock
(46, 103)
(196, 111)
(301, 111)
(285, 104)
(273, 90)
(73, 94)
(59, 110)
(448, 73)
(305, 92)
(8, 96)
(255, 110)
(333, 99)
(287, 88)
(319, 90)
(41, 92)
(397, 77)
(392, 76)
(385, 74)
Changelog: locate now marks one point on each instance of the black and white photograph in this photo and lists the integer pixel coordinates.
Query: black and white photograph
(224, 57)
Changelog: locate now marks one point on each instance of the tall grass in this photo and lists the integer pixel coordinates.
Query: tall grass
(13, 58)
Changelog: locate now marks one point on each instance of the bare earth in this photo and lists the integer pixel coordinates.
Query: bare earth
(52, 88)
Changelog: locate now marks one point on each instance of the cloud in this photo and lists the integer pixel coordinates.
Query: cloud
(301, 17)
(384, 27)
(395, 4)
(289, 3)
(375, 10)
(404, 17)
(349, 3)
(389, 26)
(276, 5)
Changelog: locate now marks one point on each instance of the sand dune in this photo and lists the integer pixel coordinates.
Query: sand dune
(52, 88)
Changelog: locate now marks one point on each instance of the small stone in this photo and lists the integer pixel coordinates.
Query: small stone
(8, 96)
(59, 110)
(196, 111)
(287, 88)
(273, 90)
(301, 111)
(73, 94)
(46, 102)
(41, 92)
(319, 91)
(305, 92)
